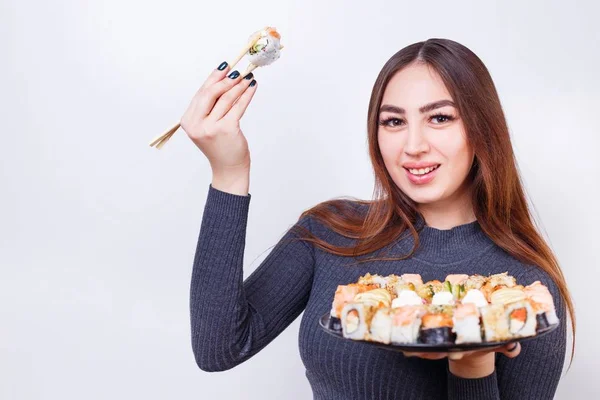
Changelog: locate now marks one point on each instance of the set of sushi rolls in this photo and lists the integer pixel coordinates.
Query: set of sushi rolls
(402, 309)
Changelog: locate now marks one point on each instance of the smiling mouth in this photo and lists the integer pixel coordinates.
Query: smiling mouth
(422, 171)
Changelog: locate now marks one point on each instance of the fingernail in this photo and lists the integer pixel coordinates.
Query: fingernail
(233, 75)
(253, 83)
(514, 347)
(222, 66)
(249, 76)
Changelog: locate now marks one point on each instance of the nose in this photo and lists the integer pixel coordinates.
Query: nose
(416, 142)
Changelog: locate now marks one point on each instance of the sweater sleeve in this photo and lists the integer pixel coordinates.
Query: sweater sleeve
(534, 373)
(232, 319)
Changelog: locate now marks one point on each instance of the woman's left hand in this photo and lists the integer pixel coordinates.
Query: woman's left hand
(472, 364)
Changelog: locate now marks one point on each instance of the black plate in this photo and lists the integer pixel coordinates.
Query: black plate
(427, 348)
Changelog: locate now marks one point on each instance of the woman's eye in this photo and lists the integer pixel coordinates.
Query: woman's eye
(442, 118)
(391, 122)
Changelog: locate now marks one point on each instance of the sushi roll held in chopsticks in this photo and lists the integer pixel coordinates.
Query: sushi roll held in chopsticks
(266, 50)
(263, 48)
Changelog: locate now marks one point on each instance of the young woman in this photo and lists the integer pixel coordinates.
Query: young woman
(448, 200)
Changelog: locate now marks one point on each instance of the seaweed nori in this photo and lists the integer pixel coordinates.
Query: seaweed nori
(542, 322)
(335, 324)
(441, 335)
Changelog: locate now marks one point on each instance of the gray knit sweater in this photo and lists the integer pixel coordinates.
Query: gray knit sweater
(233, 319)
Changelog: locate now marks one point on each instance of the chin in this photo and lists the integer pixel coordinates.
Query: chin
(423, 195)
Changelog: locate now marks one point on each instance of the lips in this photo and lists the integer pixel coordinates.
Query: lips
(422, 175)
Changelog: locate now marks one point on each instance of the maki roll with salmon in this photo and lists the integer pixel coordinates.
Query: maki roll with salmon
(266, 47)
(406, 324)
(495, 323)
(380, 329)
(517, 310)
(543, 305)
(356, 318)
(521, 319)
(436, 325)
(466, 324)
(344, 294)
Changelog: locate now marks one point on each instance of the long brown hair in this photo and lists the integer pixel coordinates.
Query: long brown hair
(499, 200)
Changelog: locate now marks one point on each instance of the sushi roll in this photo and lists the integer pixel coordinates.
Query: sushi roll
(356, 319)
(474, 296)
(496, 282)
(407, 298)
(391, 281)
(542, 303)
(502, 279)
(429, 289)
(443, 298)
(518, 310)
(455, 285)
(406, 323)
(414, 279)
(474, 282)
(466, 324)
(521, 319)
(376, 298)
(380, 329)
(379, 280)
(495, 323)
(507, 295)
(436, 326)
(344, 294)
(266, 50)
(457, 279)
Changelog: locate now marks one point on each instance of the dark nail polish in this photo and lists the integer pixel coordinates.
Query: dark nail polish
(253, 83)
(249, 76)
(222, 66)
(234, 75)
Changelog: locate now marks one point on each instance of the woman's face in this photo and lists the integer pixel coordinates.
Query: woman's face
(422, 138)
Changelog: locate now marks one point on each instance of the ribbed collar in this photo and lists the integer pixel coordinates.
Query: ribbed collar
(444, 246)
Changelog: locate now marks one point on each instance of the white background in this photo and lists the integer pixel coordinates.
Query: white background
(98, 230)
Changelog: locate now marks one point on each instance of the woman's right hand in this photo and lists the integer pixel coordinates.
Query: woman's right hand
(212, 120)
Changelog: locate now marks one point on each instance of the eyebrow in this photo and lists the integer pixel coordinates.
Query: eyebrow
(424, 109)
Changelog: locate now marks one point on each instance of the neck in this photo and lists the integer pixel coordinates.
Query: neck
(449, 213)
